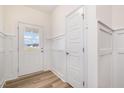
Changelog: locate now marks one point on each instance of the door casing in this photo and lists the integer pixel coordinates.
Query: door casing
(85, 57)
(19, 22)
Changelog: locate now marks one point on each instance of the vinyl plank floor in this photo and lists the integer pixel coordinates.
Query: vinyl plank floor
(42, 80)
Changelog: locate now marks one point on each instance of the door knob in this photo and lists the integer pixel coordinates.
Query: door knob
(67, 53)
(42, 51)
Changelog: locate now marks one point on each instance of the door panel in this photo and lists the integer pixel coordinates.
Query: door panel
(30, 49)
(74, 48)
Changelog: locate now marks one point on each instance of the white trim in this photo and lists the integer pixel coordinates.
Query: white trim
(104, 25)
(3, 83)
(120, 29)
(59, 50)
(58, 74)
(2, 33)
(58, 36)
(102, 52)
(74, 10)
(7, 34)
(86, 48)
(20, 22)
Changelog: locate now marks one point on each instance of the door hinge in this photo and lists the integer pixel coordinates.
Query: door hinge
(18, 27)
(18, 68)
(83, 16)
(83, 83)
(83, 49)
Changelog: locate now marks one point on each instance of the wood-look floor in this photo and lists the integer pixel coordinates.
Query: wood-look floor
(42, 80)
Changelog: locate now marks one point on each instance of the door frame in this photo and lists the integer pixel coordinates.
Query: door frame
(85, 29)
(18, 23)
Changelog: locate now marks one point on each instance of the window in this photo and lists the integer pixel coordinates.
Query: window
(31, 38)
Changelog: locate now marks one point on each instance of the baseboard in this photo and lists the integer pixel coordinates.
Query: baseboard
(2, 85)
(58, 74)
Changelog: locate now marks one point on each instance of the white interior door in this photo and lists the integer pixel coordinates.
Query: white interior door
(74, 48)
(30, 49)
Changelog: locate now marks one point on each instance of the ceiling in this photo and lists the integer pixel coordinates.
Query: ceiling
(43, 8)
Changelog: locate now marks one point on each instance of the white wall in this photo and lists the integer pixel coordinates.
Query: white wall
(104, 14)
(1, 19)
(92, 46)
(117, 16)
(58, 18)
(14, 14)
(111, 15)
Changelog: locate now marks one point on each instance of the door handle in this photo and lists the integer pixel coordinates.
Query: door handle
(67, 53)
(42, 51)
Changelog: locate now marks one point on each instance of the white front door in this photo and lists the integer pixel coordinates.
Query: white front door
(74, 48)
(30, 49)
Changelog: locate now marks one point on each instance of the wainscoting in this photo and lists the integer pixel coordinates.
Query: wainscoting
(8, 57)
(105, 56)
(58, 56)
(119, 58)
(11, 57)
